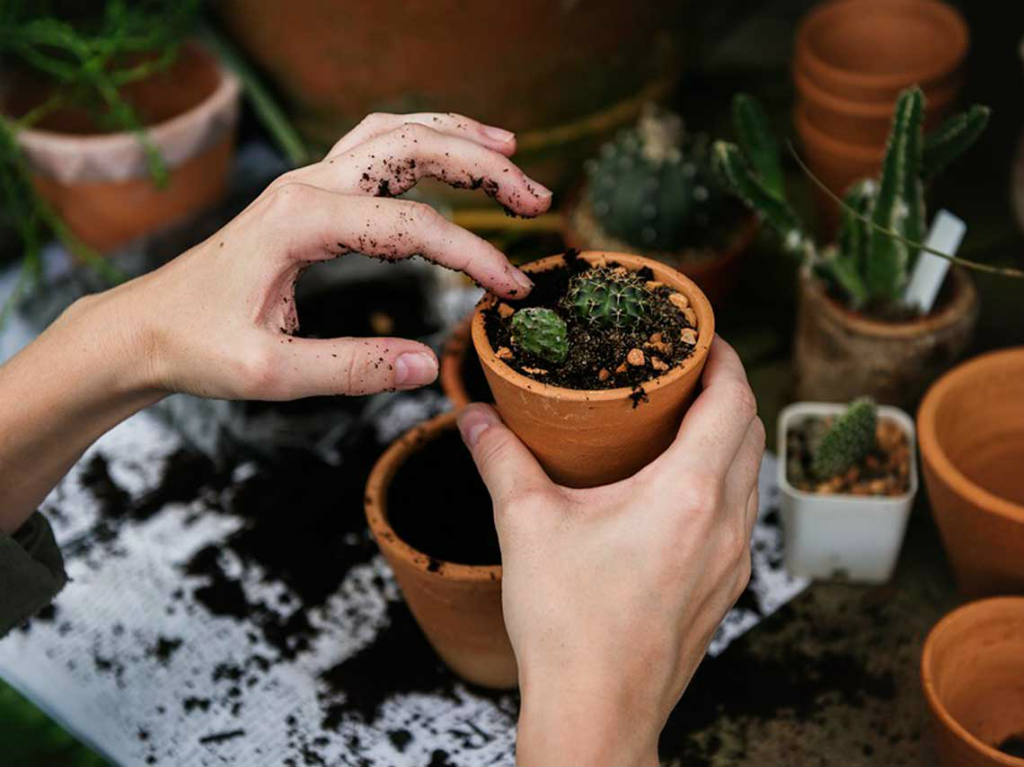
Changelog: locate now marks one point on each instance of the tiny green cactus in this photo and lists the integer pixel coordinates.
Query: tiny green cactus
(608, 298)
(870, 263)
(653, 186)
(540, 332)
(848, 440)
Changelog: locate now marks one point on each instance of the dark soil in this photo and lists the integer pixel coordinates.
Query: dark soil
(592, 349)
(884, 471)
(438, 504)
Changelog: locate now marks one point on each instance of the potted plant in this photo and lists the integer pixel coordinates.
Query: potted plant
(431, 515)
(113, 121)
(652, 191)
(848, 478)
(594, 369)
(856, 333)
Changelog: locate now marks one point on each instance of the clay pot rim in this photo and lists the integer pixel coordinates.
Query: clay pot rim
(985, 608)
(453, 354)
(809, 133)
(965, 295)
(811, 407)
(823, 16)
(881, 109)
(666, 274)
(375, 504)
(931, 447)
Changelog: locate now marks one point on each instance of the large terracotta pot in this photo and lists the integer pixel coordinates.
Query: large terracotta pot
(840, 354)
(716, 276)
(457, 606)
(556, 73)
(100, 184)
(587, 438)
(972, 671)
(870, 50)
(971, 427)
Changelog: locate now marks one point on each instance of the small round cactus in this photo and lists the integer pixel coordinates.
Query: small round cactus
(540, 332)
(608, 298)
(850, 437)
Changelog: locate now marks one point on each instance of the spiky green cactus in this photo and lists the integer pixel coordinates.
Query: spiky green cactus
(540, 332)
(653, 186)
(873, 256)
(848, 440)
(607, 298)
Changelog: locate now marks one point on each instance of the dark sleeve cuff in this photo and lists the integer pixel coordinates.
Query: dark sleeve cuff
(31, 571)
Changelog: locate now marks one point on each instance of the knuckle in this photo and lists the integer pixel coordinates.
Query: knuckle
(422, 215)
(743, 399)
(760, 432)
(743, 572)
(704, 493)
(290, 197)
(258, 371)
(415, 131)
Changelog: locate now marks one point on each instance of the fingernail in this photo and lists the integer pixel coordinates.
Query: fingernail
(498, 134)
(522, 280)
(414, 369)
(538, 189)
(474, 421)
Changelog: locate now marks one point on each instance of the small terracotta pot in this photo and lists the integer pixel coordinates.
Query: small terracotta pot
(972, 671)
(585, 438)
(870, 50)
(457, 606)
(971, 426)
(453, 357)
(840, 354)
(100, 184)
(716, 276)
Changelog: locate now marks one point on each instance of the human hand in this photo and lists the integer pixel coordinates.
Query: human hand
(612, 594)
(218, 320)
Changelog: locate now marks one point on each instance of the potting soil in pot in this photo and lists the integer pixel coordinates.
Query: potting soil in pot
(599, 356)
(438, 504)
(883, 471)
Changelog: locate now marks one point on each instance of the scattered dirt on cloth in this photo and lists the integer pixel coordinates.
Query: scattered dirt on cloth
(593, 349)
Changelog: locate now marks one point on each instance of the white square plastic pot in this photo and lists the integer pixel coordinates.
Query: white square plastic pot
(849, 537)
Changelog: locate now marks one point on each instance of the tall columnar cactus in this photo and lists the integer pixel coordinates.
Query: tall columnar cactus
(848, 440)
(608, 298)
(540, 332)
(882, 219)
(653, 186)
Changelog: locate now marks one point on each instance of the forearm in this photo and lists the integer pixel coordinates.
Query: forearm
(82, 376)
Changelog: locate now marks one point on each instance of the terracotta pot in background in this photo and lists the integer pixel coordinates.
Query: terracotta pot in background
(457, 606)
(587, 438)
(840, 354)
(461, 384)
(716, 276)
(100, 183)
(972, 672)
(971, 430)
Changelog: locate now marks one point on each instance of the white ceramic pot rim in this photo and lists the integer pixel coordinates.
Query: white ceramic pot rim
(73, 158)
(853, 502)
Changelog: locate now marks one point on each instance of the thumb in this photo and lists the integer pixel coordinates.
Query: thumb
(505, 464)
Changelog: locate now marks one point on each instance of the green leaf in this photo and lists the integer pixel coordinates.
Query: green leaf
(951, 139)
(755, 137)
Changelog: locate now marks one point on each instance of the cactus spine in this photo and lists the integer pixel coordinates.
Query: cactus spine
(542, 333)
(848, 440)
(607, 298)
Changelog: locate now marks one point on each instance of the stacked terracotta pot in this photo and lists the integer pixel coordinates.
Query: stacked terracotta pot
(851, 60)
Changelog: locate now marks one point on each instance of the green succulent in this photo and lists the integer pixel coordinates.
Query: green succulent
(541, 332)
(608, 298)
(848, 440)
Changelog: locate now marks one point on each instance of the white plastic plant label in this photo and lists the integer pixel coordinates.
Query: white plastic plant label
(945, 236)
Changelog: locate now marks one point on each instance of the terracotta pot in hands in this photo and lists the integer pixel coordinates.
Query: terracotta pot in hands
(458, 606)
(972, 671)
(971, 431)
(585, 438)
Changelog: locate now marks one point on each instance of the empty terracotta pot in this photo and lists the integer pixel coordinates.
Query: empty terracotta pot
(971, 431)
(840, 354)
(870, 50)
(457, 606)
(972, 671)
(100, 183)
(585, 438)
(453, 364)
(716, 275)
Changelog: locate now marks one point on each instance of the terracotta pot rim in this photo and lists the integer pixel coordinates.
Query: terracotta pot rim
(824, 15)
(672, 277)
(375, 505)
(931, 447)
(880, 109)
(1011, 604)
(964, 297)
(810, 133)
(453, 354)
